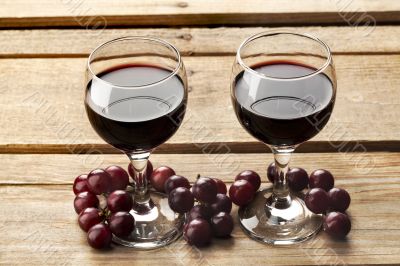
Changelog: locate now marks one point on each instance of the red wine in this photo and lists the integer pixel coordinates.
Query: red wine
(139, 113)
(283, 111)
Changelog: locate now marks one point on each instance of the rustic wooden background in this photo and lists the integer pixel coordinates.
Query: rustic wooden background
(46, 139)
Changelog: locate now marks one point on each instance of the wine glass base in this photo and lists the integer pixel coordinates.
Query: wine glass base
(275, 226)
(155, 228)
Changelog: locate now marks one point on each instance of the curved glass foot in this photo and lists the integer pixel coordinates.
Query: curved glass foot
(278, 226)
(157, 227)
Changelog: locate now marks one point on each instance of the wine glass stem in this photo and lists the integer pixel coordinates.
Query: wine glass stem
(139, 163)
(281, 194)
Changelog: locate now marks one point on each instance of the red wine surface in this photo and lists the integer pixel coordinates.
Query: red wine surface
(139, 113)
(281, 110)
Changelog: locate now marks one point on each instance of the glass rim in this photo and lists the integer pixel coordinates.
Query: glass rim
(328, 60)
(128, 38)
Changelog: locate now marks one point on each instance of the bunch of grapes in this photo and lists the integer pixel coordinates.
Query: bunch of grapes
(209, 217)
(103, 205)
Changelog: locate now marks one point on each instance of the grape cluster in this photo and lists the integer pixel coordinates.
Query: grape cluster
(101, 222)
(209, 217)
(322, 198)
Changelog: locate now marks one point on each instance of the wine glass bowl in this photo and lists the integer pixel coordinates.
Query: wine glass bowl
(283, 91)
(135, 99)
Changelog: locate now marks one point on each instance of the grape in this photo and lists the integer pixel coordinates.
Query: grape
(119, 177)
(80, 184)
(89, 217)
(121, 224)
(198, 232)
(321, 179)
(85, 200)
(250, 176)
(205, 189)
(99, 236)
(297, 179)
(174, 182)
(221, 187)
(339, 199)
(337, 224)
(119, 200)
(317, 200)
(200, 211)
(222, 204)
(271, 172)
(241, 192)
(222, 224)
(160, 176)
(149, 169)
(181, 200)
(99, 181)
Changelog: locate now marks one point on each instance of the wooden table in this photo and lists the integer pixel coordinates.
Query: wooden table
(46, 139)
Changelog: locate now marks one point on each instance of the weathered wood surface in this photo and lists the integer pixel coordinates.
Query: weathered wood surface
(102, 13)
(191, 41)
(352, 169)
(42, 107)
(38, 223)
(43, 46)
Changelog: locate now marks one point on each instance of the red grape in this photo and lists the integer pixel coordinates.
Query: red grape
(121, 224)
(198, 232)
(317, 200)
(200, 211)
(241, 192)
(337, 224)
(271, 172)
(297, 179)
(85, 200)
(119, 200)
(181, 200)
(222, 224)
(119, 177)
(222, 204)
(89, 217)
(221, 187)
(174, 182)
(149, 169)
(339, 199)
(250, 176)
(99, 181)
(160, 176)
(99, 236)
(322, 179)
(80, 184)
(205, 189)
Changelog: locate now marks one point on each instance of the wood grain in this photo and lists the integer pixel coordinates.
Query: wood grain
(369, 170)
(103, 13)
(190, 41)
(46, 94)
(38, 226)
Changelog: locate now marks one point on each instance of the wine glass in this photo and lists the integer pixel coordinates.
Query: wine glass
(135, 99)
(283, 91)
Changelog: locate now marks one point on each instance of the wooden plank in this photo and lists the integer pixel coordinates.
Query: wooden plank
(38, 226)
(46, 94)
(190, 41)
(102, 13)
(369, 170)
